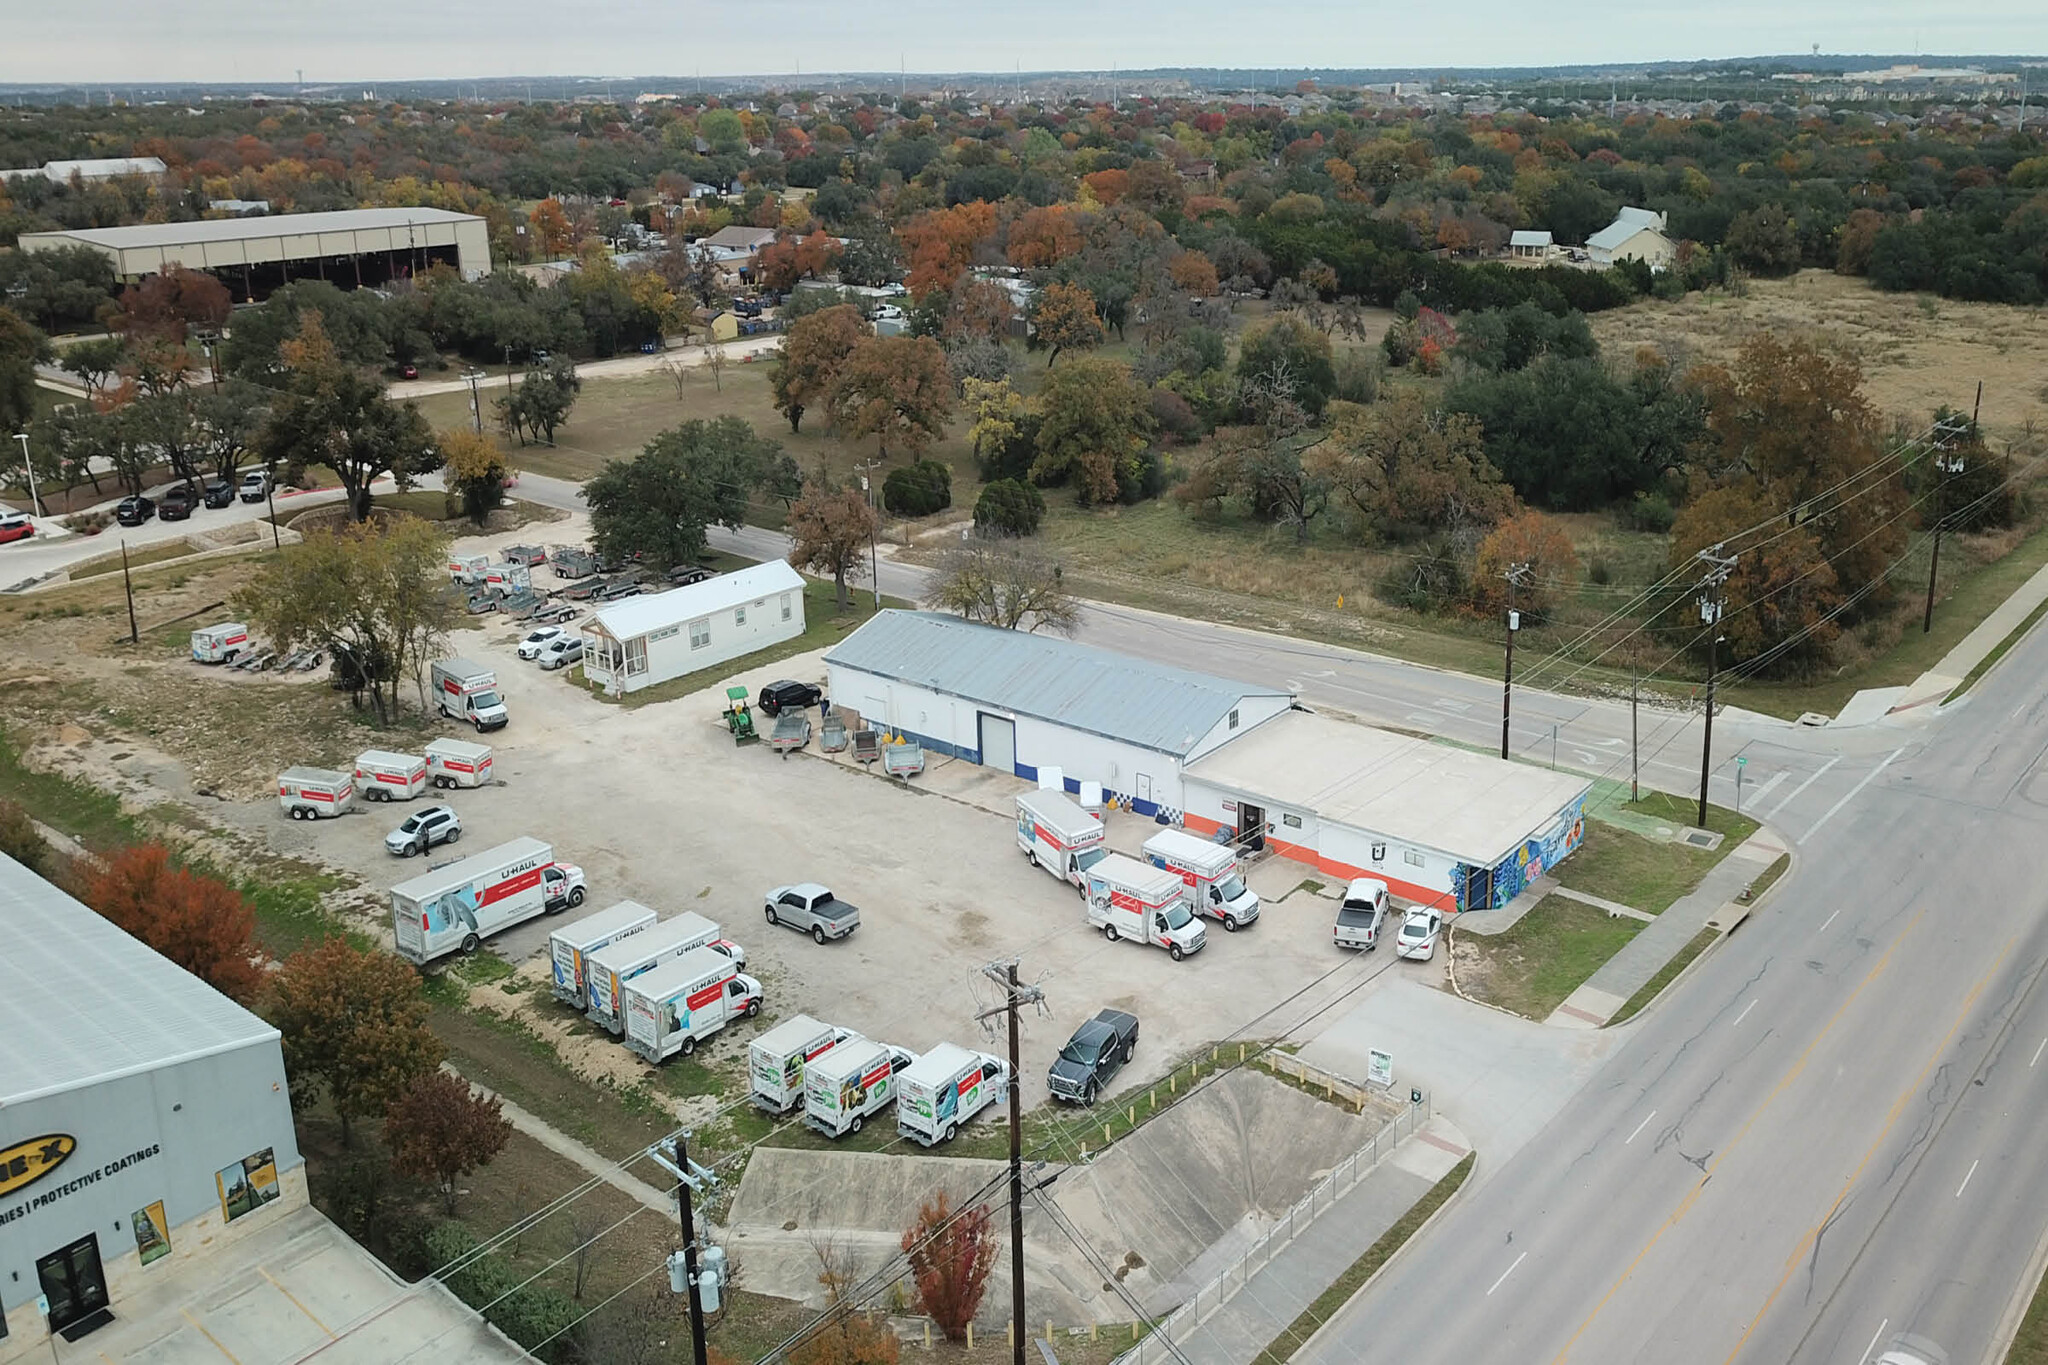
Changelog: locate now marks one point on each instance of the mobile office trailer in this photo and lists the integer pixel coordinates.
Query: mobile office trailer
(314, 793)
(852, 1083)
(468, 568)
(219, 644)
(777, 1059)
(385, 776)
(1058, 835)
(569, 947)
(469, 691)
(1211, 873)
(458, 763)
(681, 1003)
(943, 1089)
(1134, 900)
(610, 968)
(458, 906)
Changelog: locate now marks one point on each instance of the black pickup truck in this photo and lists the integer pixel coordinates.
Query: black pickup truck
(1093, 1055)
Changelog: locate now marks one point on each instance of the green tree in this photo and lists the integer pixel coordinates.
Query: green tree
(22, 348)
(1287, 344)
(1764, 240)
(541, 403)
(95, 360)
(659, 503)
(1406, 469)
(1094, 422)
(723, 130)
(330, 414)
(1499, 339)
(354, 1026)
(919, 489)
(1008, 507)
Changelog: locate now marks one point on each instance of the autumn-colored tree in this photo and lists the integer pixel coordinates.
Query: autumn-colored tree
(1043, 237)
(1063, 317)
(817, 253)
(473, 467)
(848, 1336)
(354, 1026)
(1094, 422)
(941, 243)
(978, 310)
(439, 1129)
(22, 841)
(1537, 551)
(833, 530)
(1106, 187)
(197, 921)
(1778, 598)
(950, 1253)
(895, 389)
(1402, 468)
(813, 351)
(1154, 185)
(1194, 273)
(166, 306)
(550, 228)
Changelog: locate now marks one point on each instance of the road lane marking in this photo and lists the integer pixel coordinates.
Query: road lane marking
(1768, 787)
(2037, 1054)
(1829, 920)
(1868, 778)
(1685, 1205)
(1966, 1178)
(1873, 1341)
(1639, 1128)
(1899, 1106)
(1800, 790)
(1745, 1011)
(1505, 1273)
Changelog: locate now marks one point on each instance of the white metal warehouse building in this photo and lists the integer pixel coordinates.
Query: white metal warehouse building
(1023, 702)
(646, 640)
(1439, 825)
(252, 256)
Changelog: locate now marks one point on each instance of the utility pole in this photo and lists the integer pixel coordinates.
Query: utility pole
(1514, 576)
(1947, 464)
(1004, 974)
(1635, 743)
(29, 467)
(683, 1273)
(867, 486)
(476, 405)
(1719, 566)
(134, 635)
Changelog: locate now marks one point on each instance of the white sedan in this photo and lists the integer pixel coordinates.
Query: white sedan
(539, 639)
(1419, 932)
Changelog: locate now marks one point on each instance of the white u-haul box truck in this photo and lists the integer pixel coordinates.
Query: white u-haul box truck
(469, 691)
(608, 969)
(454, 908)
(678, 1005)
(851, 1084)
(776, 1061)
(943, 1089)
(570, 947)
(1058, 835)
(1147, 904)
(1214, 879)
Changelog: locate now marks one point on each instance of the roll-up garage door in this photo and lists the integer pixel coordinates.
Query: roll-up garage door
(998, 742)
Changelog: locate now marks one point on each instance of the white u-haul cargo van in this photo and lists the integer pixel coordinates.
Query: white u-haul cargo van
(851, 1084)
(678, 1005)
(776, 1061)
(455, 908)
(1212, 874)
(609, 968)
(943, 1089)
(570, 947)
(1058, 835)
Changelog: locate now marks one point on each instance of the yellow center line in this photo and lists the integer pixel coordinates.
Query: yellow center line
(209, 1336)
(1685, 1205)
(1891, 1120)
(295, 1300)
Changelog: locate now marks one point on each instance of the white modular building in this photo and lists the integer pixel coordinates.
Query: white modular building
(1022, 702)
(641, 641)
(1439, 825)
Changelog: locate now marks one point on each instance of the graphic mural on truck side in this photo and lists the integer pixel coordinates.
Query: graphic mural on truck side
(1512, 875)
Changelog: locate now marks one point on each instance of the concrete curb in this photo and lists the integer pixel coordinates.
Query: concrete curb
(1791, 866)
(1471, 1178)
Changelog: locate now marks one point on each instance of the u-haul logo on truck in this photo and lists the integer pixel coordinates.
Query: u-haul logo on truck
(697, 1000)
(1124, 900)
(515, 883)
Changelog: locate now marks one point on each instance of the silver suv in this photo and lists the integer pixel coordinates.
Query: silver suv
(423, 829)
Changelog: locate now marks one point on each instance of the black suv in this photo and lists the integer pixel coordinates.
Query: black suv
(1094, 1054)
(134, 511)
(219, 493)
(777, 696)
(178, 502)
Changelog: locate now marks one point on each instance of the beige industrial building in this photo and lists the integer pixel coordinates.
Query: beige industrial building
(252, 256)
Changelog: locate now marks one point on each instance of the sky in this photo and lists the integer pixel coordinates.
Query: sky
(360, 41)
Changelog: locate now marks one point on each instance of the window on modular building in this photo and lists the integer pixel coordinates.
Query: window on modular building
(636, 654)
(739, 616)
(1291, 821)
(1412, 858)
(1233, 720)
(700, 633)
(785, 606)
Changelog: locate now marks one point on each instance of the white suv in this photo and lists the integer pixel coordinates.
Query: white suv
(423, 829)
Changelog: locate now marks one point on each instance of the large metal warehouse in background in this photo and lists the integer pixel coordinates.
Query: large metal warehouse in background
(1023, 702)
(253, 256)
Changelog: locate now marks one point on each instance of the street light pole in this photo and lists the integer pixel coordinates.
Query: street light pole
(35, 499)
(1947, 464)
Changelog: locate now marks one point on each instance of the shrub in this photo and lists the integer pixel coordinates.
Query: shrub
(22, 841)
(1426, 580)
(1175, 415)
(1358, 376)
(1651, 511)
(918, 490)
(1009, 508)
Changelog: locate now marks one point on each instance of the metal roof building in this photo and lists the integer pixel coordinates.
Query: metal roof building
(1024, 702)
(650, 639)
(252, 256)
(90, 169)
(1436, 823)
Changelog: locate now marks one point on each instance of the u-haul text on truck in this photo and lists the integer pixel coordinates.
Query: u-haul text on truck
(679, 1004)
(1057, 835)
(385, 776)
(609, 968)
(570, 947)
(1134, 900)
(1213, 876)
(458, 763)
(458, 906)
(851, 1084)
(943, 1089)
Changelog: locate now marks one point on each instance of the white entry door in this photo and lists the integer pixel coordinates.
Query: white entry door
(998, 742)
(1144, 791)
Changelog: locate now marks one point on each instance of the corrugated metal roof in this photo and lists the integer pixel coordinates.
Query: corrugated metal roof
(638, 615)
(81, 1001)
(248, 229)
(1154, 706)
(1528, 237)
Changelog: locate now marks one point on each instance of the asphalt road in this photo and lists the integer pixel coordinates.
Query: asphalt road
(1827, 1136)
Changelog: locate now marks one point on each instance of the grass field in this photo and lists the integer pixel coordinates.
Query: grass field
(147, 554)
(1531, 967)
(1646, 874)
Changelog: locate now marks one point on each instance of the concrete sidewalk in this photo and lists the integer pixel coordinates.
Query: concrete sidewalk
(1930, 689)
(1267, 1305)
(1643, 956)
(562, 1145)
